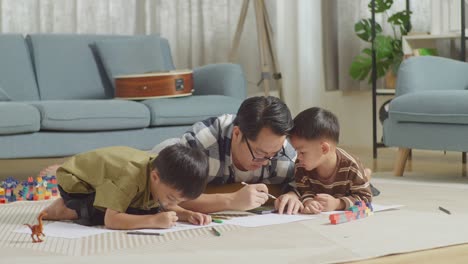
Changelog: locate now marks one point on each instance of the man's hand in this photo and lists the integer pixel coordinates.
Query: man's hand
(290, 202)
(329, 202)
(164, 220)
(312, 207)
(249, 197)
(199, 218)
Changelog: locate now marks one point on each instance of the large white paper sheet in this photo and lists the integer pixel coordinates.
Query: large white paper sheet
(178, 227)
(67, 230)
(267, 219)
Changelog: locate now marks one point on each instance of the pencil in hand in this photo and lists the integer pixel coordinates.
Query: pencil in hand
(269, 195)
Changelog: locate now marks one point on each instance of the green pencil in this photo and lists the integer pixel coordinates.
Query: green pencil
(216, 232)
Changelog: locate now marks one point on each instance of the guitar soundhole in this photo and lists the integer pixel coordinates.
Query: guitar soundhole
(179, 84)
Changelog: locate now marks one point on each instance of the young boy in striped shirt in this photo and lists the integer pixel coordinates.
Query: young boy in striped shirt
(327, 177)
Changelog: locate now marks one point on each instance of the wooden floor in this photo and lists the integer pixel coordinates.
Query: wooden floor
(430, 164)
(433, 163)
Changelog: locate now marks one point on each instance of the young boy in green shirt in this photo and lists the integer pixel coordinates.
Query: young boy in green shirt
(125, 188)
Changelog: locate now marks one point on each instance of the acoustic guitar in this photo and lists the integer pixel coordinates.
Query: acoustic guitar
(154, 85)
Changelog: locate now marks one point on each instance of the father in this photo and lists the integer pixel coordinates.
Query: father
(249, 147)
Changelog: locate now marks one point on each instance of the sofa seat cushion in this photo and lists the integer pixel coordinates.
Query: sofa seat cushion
(18, 118)
(92, 115)
(189, 110)
(447, 107)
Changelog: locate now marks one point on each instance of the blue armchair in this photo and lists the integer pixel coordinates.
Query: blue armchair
(430, 108)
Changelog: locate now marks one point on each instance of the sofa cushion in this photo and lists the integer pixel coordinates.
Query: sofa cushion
(448, 107)
(4, 96)
(66, 67)
(92, 115)
(18, 118)
(131, 56)
(166, 50)
(16, 70)
(188, 110)
(75, 72)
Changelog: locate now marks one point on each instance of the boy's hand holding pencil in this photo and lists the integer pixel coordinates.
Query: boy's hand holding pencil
(196, 218)
(163, 220)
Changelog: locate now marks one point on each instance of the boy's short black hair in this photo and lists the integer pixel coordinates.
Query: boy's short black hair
(258, 112)
(316, 123)
(183, 168)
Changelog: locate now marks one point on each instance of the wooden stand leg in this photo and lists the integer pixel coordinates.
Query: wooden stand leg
(268, 59)
(403, 154)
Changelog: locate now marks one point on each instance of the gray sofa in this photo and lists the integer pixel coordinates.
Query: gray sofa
(56, 96)
(430, 109)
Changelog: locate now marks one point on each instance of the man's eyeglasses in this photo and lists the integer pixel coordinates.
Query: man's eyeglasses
(279, 154)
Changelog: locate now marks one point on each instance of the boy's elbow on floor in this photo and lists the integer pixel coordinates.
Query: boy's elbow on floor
(113, 225)
(110, 221)
(108, 224)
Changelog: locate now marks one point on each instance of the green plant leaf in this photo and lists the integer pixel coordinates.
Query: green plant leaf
(388, 49)
(360, 67)
(363, 29)
(402, 20)
(383, 46)
(367, 51)
(381, 5)
(396, 63)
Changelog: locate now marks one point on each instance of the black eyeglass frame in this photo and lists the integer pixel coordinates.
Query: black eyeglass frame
(279, 154)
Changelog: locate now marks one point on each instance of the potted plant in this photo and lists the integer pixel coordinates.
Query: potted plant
(388, 48)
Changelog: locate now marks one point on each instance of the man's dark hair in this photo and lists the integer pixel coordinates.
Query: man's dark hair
(258, 112)
(183, 168)
(316, 123)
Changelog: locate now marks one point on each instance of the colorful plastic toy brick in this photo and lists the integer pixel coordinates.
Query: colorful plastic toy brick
(2, 196)
(42, 188)
(357, 211)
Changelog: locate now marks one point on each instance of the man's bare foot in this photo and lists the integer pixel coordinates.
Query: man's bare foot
(50, 170)
(368, 173)
(58, 211)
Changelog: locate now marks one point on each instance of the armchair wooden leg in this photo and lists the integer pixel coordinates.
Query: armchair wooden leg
(403, 154)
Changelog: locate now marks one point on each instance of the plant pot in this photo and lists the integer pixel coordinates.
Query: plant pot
(390, 80)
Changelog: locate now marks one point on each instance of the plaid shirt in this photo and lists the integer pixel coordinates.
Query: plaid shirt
(214, 136)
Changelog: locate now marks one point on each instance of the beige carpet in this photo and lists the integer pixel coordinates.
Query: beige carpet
(419, 225)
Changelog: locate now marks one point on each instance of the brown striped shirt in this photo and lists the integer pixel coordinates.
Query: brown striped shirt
(347, 183)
